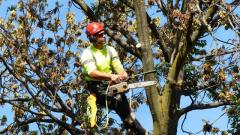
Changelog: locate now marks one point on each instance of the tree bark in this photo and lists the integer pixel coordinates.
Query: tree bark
(163, 107)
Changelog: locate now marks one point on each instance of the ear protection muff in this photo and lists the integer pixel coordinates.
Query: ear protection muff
(92, 38)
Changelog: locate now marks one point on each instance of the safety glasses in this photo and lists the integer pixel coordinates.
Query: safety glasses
(100, 34)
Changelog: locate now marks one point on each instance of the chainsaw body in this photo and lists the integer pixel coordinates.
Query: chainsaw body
(124, 87)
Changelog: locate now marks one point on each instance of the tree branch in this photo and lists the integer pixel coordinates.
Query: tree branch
(15, 100)
(235, 2)
(203, 106)
(53, 91)
(162, 6)
(218, 54)
(125, 33)
(26, 110)
(34, 120)
(233, 20)
(176, 4)
(154, 32)
(211, 89)
(69, 113)
(37, 70)
(86, 9)
(124, 44)
(205, 19)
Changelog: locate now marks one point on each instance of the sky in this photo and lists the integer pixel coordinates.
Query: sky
(194, 121)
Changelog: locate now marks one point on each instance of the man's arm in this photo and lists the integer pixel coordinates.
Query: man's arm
(117, 65)
(104, 76)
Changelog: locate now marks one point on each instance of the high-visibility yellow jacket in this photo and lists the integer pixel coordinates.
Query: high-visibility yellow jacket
(104, 60)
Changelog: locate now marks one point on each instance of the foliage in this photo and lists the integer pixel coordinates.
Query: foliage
(40, 72)
(40, 76)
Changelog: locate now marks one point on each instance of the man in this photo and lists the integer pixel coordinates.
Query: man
(101, 63)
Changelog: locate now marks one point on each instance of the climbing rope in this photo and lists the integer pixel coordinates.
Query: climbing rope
(106, 109)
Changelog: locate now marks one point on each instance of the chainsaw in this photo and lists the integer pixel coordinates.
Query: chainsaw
(124, 87)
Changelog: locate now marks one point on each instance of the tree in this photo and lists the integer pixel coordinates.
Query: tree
(40, 80)
(40, 74)
(182, 50)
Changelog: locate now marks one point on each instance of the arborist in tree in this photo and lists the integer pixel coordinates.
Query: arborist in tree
(101, 63)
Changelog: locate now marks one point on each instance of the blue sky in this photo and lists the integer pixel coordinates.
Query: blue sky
(194, 120)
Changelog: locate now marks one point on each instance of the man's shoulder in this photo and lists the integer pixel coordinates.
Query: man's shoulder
(86, 51)
(111, 49)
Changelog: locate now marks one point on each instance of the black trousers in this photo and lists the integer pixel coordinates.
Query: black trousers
(118, 103)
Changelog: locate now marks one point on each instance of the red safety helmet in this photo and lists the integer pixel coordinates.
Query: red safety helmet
(94, 28)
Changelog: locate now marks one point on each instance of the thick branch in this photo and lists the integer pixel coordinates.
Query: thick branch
(184, 50)
(203, 106)
(162, 6)
(154, 31)
(86, 9)
(184, 6)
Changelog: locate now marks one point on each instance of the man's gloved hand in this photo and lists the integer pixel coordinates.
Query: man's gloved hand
(119, 77)
(115, 78)
(124, 77)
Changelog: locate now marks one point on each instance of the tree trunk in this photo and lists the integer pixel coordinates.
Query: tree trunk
(163, 108)
(169, 117)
